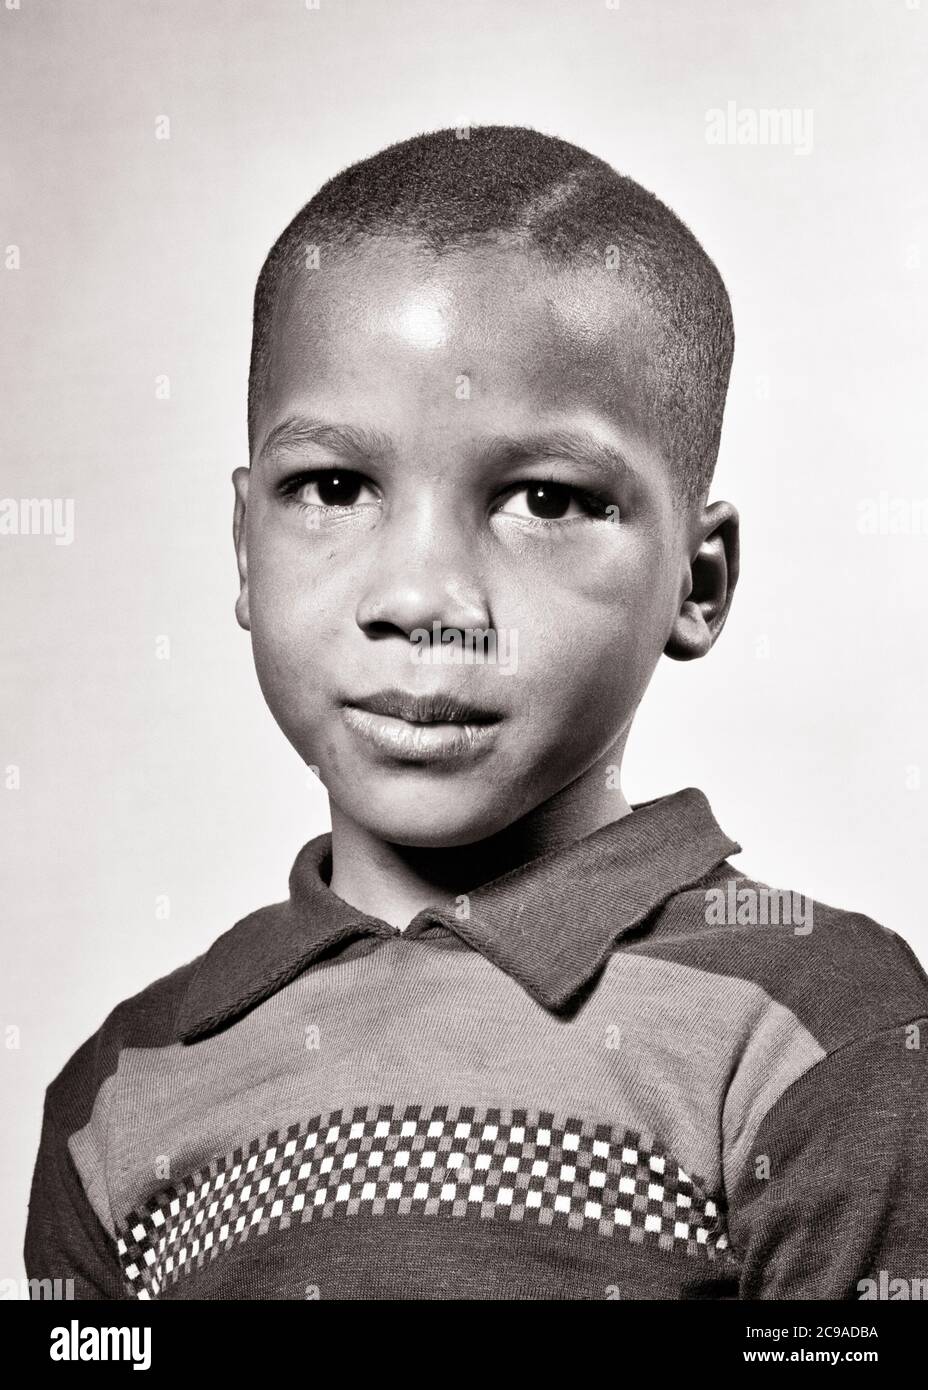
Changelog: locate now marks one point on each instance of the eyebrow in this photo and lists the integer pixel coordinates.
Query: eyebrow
(351, 441)
(580, 446)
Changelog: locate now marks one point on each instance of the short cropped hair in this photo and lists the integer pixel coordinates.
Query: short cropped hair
(453, 190)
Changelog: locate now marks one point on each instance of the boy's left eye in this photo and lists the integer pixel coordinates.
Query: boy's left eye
(546, 501)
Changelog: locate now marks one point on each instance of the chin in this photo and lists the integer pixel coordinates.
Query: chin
(421, 821)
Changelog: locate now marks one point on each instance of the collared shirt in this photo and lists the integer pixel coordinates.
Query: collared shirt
(621, 1069)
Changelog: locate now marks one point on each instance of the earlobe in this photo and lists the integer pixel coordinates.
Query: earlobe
(713, 574)
(240, 482)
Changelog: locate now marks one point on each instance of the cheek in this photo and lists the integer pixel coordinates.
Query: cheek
(587, 681)
(589, 636)
(288, 638)
(293, 600)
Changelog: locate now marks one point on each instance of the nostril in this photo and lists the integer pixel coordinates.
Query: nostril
(379, 629)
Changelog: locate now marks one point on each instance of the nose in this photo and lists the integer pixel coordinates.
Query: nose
(424, 570)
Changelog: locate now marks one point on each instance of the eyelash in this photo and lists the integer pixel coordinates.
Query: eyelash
(595, 505)
(291, 486)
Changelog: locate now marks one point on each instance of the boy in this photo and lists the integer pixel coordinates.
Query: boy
(509, 1037)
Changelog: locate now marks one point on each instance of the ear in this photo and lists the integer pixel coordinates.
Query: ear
(240, 482)
(709, 585)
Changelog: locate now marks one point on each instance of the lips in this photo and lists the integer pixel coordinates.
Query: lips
(407, 728)
(437, 708)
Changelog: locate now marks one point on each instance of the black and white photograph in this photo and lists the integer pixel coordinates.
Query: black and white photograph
(463, 755)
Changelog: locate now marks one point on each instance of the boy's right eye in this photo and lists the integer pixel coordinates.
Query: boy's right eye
(329, 487)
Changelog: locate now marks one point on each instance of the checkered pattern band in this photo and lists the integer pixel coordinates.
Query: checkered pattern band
(440, 1161)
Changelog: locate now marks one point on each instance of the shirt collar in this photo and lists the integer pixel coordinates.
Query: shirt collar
(550, 923)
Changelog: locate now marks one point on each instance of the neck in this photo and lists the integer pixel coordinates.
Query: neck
(395, 882)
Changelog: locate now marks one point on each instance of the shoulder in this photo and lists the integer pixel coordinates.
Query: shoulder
(147, 1019)
(839, 972)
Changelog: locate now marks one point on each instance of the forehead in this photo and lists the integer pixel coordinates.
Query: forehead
(396, 330)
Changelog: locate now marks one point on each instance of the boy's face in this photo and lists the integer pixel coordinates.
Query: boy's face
(441, 442)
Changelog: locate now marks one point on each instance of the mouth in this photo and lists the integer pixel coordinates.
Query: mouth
(422, 728)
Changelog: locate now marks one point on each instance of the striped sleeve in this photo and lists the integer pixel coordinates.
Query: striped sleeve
(64, 1236)
(835, 1190)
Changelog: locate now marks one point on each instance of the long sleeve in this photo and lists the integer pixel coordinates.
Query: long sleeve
(64, 1237)
(835, 1190)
